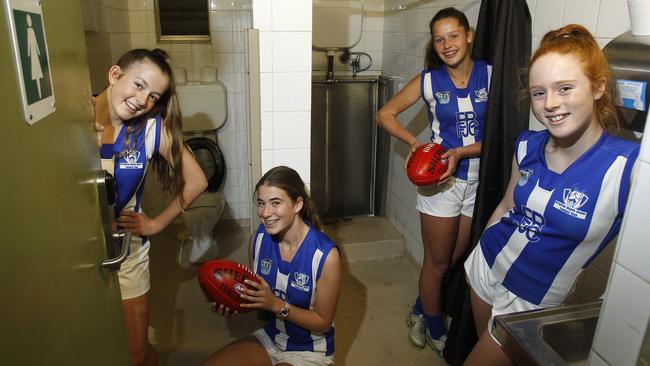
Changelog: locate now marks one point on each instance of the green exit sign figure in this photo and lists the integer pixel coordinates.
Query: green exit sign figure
(31, 58)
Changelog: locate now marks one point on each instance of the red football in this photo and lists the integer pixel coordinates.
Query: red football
(222, 281)
(425, 166)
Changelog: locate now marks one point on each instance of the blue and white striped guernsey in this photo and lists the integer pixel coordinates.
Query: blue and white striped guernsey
(294, 282)
(129, 169)
(560, 222)
(456, 116)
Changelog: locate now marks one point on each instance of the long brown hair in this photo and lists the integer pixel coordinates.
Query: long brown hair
(169, 175)
(431, 59)
(574, 39)
(289, 181)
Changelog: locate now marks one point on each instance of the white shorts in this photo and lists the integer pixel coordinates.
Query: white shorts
(490, 290)
(134, 271)
(454, 197)
(298, 358)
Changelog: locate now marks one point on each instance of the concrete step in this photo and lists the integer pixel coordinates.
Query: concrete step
(366, 238)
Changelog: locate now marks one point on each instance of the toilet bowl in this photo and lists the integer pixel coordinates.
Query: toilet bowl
(204, 110)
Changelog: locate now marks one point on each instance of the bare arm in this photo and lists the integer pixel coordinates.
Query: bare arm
(327, 295)
(387, 115)
(319, 319)
(508, 200)
(195, 184)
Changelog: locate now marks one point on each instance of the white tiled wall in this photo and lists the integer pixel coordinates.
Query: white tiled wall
(131, 24)
(107, 36)
(606, 19)
(405, 37)
(285, 65)
(406, 34)
(625, 315)
(371, 41)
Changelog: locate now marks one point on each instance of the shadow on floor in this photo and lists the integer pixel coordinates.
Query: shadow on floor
(369, 320)
(350, 313)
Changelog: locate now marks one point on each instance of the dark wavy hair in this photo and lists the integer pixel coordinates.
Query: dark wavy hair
(169, 175)
(431, 59)
(289, 181)
(574, 39)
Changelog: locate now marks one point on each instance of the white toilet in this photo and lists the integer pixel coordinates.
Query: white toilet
(204, 109)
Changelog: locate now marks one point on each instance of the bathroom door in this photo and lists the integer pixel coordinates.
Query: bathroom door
(58, 306)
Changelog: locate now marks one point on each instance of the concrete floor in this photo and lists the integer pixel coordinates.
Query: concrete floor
(379, 283)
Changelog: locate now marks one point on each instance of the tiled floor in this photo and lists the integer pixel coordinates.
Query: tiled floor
(378, 284)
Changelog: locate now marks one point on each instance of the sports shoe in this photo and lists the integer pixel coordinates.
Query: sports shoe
(418, 326)
(437, 345)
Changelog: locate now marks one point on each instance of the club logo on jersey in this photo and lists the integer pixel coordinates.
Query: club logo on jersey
(443, 97)
(531, 223)
(481, 95)
(525, 174)
(131, 160)
(573, 200)
(466, 124)
(266, 265)
(300, 281)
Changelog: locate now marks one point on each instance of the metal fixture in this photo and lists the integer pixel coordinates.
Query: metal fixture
(354, 59)
(330, 64)
(628, 58)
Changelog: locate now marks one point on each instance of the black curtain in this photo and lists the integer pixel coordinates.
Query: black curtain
(503, 38)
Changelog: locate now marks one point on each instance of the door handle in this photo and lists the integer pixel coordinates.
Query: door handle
(124, 240)
(117, 243)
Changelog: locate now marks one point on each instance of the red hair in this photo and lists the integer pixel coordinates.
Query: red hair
(574, 39)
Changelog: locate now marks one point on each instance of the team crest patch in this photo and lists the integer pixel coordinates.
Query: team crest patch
(481, 95)
(443, 97)
(525, 174)
(266, 265)
(573, 200)
(300, 281)
(131, 160)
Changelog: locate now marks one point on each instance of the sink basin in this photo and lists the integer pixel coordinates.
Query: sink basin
(554, 336)
(571, 339)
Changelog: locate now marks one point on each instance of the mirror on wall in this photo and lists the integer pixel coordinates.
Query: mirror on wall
(183, 20)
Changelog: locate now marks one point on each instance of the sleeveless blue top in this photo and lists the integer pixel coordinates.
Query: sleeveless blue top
(130, 166)
(457, 115)
(294, 282)
(560, 222)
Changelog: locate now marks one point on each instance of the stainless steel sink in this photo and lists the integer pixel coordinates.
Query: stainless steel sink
(553, 336)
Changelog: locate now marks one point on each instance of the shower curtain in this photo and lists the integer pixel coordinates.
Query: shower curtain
(503, 37)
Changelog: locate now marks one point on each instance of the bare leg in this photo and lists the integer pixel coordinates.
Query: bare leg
(439, 235)
(462, 239)
(482, 312)
(486, 351)
(246, 351)
(136, 315)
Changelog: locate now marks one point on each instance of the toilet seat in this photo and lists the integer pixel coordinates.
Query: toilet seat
(210, 158)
